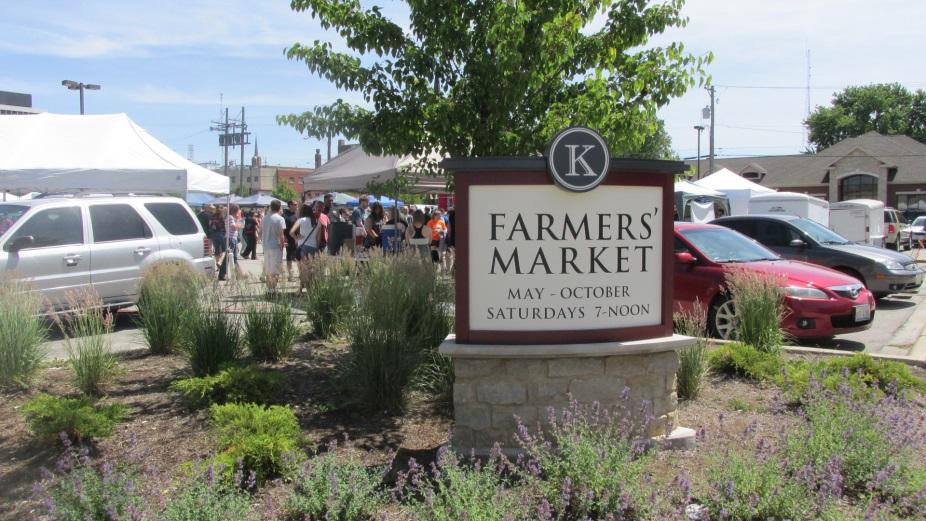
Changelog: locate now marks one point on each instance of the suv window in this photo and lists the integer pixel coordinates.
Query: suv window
(747, 228)
(773, 233)
(117, 222)
(53, 227)
(173, 217)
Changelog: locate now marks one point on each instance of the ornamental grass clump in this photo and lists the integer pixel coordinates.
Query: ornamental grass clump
(214, 336)
(270, 331)
(166, 293)
(759, 306)
(22, 332)
(86, 331)
(331, 295)
(692, 360)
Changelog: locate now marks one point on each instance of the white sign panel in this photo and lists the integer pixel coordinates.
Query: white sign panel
(544, 259)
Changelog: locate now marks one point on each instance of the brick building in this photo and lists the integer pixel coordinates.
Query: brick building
(891, 169)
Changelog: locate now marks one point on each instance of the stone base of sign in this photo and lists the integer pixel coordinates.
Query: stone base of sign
(495, 383)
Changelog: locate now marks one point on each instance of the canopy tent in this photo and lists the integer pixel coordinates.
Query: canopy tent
(261, 200)
(340, 199)
(197, 199)
(387, 202)
(98, 153)
(354, 169)
(222, 200)
(737, 189)
(687, 193)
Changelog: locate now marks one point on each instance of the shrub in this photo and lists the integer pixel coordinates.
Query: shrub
(380, 365)
(78, 418)
(759, 308)
(434, 376)
(590, 463)
(255, 435)
(206, 498)
(333, 487)
(21, 332)
(80, 490)
(454, 491)
(331, 295)
(87, 338)
(738, 359)
(692, 361)
(165, 291)
(231, 384)
(270, 331)
(883, 374)
(214, 338)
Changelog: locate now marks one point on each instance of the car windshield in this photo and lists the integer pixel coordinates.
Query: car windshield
(819, 233)
(9, 214)
(724, 245)
(919, 221)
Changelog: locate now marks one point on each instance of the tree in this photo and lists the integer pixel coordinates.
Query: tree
(284, 192)
(496, 77)
(888, 108)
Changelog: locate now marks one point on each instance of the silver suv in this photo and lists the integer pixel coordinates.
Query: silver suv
(67, 244)
(896, 230)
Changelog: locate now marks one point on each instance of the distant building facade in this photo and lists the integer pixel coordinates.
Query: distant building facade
(16, 103)
(891, 169)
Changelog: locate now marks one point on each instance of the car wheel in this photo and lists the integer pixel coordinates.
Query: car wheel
(895, 245)
(722, 318)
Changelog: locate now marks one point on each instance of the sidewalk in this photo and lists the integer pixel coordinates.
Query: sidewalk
(909, 341)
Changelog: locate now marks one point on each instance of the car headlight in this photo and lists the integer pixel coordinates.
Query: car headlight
(893, 265)
(799, 292)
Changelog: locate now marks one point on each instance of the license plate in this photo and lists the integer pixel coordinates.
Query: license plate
(862, 313)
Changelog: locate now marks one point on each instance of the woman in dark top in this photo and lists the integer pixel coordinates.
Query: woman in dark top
(418, 235)
(374, 225)
(250, 237)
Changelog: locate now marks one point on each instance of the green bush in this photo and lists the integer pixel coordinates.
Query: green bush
(380, 366)
(736, 359)
(270, 331)
(692, 361)
(214, 338)
(22, 332)
(759, 308)
(206, 498)
(48, 416)
(232, 384)
(165, 291)
(80, 490)
(331, 295)
(336, 487)
(86, 333)
(256, 436)
(434, 376)
(747, 487)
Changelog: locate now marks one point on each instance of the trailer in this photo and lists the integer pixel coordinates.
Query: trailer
(859, 220)
(791, 203)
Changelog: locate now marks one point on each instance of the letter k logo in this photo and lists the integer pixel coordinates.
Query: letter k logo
(573, 159)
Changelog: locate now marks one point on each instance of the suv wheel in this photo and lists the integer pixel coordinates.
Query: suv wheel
(722, 318)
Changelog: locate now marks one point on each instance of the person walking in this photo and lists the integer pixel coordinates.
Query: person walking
(274, 242)
(373, 226)
(418, 235)
(250, 234)
(361, 212)
(233, 225)
(451, 240)
(216, 232)
(204, 215)
(311, 234)
(290, 218)
(438, 232)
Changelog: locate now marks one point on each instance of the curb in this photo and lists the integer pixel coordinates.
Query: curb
(800, 350)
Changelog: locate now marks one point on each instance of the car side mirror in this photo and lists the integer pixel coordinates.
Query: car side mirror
(20, 243)
(683, 257)
(797, 243)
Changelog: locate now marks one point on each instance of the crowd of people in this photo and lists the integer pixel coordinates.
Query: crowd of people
(300, 231)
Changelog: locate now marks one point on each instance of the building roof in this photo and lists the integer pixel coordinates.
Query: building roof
(902, 152)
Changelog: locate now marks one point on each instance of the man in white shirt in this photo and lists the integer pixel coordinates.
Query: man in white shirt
(274, 242)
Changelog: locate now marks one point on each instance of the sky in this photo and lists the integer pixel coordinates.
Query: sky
(168, 63)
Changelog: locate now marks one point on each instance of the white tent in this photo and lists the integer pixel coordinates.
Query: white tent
(353, 169)
(688, 194)
(101, 153)
(735, 187)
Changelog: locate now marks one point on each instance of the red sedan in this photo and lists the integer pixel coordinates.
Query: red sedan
(819, 301)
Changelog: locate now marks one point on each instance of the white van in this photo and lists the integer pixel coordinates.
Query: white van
(859, 220)
(71, 244)
(791, 203)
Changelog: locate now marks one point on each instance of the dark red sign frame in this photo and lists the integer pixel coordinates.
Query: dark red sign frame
(532, 171)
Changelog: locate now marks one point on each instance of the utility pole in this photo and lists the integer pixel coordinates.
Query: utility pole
(699, 128)
(241, 164)
(711, 161)
(225, 145)
(233, 133)
(75, 85)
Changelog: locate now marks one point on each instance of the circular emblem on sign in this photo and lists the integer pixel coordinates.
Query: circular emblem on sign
(578, 159)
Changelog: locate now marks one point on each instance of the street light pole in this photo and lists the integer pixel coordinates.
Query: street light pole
(75, 85)
(699, 128)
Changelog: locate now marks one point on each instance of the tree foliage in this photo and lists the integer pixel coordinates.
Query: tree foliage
(284, 192)
(888, 108)
(497, 77)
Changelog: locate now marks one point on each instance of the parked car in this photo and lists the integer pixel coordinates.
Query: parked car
(882, 271)
(918, 231)
(819, 302)
(896, 230)
(71, 244)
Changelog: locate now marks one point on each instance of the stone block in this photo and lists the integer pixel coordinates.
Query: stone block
(485, 440)
(576, 367)
(604, 389)
(662, 362)
(501, 393)
(626, 366)
(503, 417)
(464, 393)
(526, 369)
(474, 416)
(548, 391)
(462, 437)
(465, 368)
